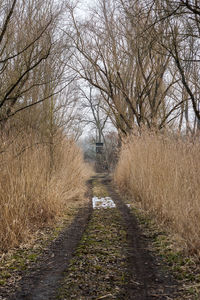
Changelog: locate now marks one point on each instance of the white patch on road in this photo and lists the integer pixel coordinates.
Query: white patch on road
(106, 202)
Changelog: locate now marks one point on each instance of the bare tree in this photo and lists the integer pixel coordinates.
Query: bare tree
(97, 116)
(29, 44)
(179, 37)
(116, 54)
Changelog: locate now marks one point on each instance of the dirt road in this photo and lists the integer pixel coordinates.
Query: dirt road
(102, 255)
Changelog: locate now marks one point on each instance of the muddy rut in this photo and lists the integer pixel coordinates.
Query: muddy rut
(64, 272)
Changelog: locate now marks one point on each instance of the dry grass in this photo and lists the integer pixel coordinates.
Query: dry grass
(163, 175)
(33, 191)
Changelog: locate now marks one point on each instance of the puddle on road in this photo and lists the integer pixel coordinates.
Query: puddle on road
(105, 202)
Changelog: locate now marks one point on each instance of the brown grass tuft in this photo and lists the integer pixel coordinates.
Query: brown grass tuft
(33, 190)
(163, 174)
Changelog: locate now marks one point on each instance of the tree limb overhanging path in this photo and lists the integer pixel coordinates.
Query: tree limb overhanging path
(103, 254)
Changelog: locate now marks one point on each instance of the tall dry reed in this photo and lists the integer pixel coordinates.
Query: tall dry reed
(162, 173)
(33, 190)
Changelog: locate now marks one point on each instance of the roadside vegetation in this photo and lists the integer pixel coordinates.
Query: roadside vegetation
(161, 174)
(34, 192)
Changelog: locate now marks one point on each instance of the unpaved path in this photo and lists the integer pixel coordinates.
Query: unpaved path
(154, 283)
(102, 255)
(42, 281)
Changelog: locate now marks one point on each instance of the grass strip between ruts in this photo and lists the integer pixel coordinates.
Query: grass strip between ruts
(98, 269)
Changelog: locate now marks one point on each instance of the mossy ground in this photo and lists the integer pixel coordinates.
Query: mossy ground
(99, 190)
(98, 269)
